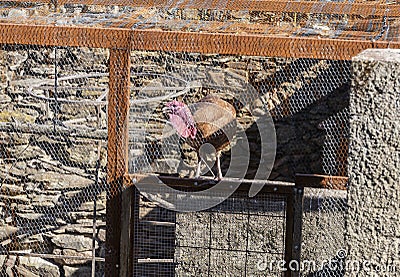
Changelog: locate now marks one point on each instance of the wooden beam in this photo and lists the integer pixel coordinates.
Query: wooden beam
(207, 43)
(50, 35)
(118, 110)
(31, 1)
(321, 181)
(254, 45)
(117, 159)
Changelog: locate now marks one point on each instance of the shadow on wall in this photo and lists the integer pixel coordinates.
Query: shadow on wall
(311, 124)
(301, 140)
(310, 93)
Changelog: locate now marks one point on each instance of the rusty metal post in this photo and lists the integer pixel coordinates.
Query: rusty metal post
(117, 161)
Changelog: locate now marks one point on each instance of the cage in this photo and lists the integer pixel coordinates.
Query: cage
(96, 181)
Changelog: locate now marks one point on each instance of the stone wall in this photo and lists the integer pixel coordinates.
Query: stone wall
(372, 233)
(47, 188)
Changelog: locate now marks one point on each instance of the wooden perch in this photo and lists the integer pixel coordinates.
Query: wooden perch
(205, 182)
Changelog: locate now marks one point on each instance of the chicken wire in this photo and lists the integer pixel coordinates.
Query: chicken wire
(54, 118)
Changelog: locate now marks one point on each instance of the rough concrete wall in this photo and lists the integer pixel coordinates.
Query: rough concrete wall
(323, 234)
(373, 230)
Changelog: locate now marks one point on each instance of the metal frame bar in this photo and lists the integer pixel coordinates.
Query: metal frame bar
(48, 35)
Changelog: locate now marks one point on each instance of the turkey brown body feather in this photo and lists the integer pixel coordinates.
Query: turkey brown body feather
(211, 120)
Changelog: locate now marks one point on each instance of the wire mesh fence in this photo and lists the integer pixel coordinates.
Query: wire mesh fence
(229, 239)
(306, 98)
(63, 72)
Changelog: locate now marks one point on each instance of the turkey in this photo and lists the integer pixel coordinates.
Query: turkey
(211, 120)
